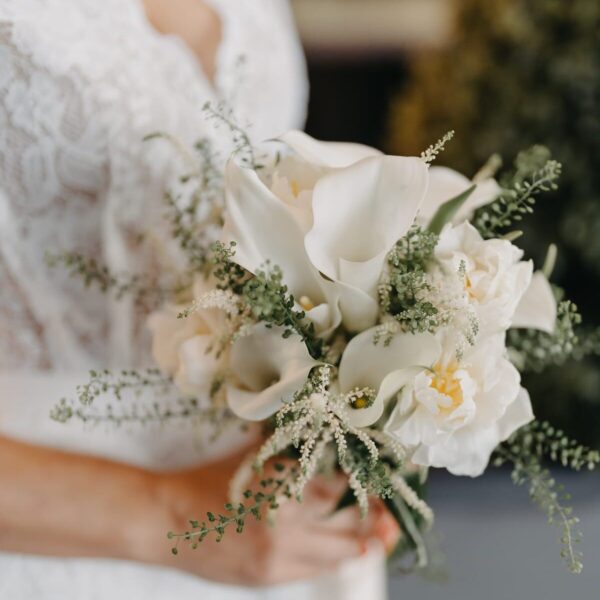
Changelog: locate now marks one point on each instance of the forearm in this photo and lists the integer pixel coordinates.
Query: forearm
(63, 504)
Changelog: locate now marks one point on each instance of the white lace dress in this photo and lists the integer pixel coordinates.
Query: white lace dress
(81, 83)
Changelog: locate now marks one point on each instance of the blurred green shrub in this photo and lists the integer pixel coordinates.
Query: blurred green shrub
(517, 73)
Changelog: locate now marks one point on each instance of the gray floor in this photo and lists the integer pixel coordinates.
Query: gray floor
(498, 547)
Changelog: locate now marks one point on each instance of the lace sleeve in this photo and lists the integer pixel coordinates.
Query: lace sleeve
(81, 84)
(44, 177)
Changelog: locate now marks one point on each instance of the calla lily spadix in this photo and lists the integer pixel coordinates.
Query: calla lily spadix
(267, 370)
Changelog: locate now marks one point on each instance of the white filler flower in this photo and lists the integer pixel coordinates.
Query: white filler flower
(182, 347)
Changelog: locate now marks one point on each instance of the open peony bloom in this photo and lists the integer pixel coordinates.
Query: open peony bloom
(445, 184)
(370, 374)
(182, 347)
(454, 414)
(495, 277)
(537, 308)
(307, 212)
(267, 371)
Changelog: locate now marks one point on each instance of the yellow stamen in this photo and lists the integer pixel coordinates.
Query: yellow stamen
(445, 382)
(361, 402)
(295, 187)
(306, 303)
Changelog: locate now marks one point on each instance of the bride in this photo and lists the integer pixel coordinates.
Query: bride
(81, 84)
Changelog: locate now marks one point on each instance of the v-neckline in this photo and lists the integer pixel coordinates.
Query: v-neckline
(174, 39)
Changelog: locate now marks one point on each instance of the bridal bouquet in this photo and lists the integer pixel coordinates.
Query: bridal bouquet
(372, 313)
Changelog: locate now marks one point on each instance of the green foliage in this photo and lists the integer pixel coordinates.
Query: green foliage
(517, 73)
(404, 292)
(525, 450)
(269, 301)
(265, 296)
(534, 350)
(446, 212)
(534, 172)
(146, 292)
(272, 491)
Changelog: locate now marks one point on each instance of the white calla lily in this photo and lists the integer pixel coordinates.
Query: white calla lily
(382, 369)
(537, 308)
(326, 154)
(265, 231)
(268, 370)
(384, 192)
(445, 184)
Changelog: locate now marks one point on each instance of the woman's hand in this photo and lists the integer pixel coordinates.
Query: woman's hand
(305, 541)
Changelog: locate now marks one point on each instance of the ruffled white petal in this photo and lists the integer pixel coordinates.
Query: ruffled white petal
(537, 308)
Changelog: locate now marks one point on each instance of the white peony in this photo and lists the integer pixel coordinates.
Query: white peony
(495, 277)
(182, 348)
(266, 371)
(453, 414)
(327, 214)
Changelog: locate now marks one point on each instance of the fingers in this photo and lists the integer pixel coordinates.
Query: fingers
(327, 550)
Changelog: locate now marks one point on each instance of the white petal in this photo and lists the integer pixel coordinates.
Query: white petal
(359, 310)
(518, 413)
(326, 154)
(361, 211)
(269, 370)
(445, 184)
(168, 333)
(197, 365)
(264, 229)
(537, 308)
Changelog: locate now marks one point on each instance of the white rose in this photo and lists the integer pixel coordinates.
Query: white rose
(327, 214)
(266, 371)
(454, 414)
(182, 348)
(495, 277)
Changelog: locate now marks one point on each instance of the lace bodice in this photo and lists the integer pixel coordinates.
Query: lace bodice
(81, 84)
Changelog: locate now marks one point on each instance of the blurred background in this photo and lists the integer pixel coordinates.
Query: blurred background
(507, 74)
